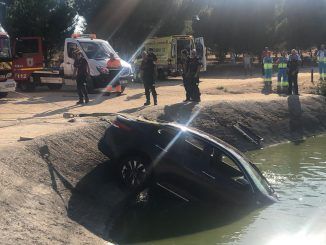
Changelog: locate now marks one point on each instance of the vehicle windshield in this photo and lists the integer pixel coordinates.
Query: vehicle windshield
(5, 52)
(256, 176)
(97, 50)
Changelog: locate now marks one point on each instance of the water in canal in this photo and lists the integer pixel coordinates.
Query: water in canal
(296, 170)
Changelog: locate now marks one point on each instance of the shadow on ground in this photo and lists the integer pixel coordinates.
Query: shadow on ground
(102, 207)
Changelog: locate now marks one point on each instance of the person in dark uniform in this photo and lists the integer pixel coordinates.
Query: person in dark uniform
(147, 68)
(192, 75)
(82, 71)
(293, 70)
(183, 63)
(151, 55)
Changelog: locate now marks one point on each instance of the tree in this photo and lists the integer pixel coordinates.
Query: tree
(51, 19)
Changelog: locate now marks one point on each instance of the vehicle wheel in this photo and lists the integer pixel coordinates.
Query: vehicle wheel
(3, 94)
(134, 172)
(27, 86)
(53, 86)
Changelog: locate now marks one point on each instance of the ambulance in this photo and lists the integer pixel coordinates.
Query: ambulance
(7, 83)
(30, 70)
(168, 52)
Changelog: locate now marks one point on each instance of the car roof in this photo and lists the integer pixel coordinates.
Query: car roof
(201, 134)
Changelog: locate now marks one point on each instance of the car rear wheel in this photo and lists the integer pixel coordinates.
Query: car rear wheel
(134, 172)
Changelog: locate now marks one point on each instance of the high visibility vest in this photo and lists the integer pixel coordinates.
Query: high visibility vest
(319, 58)
(283, 63)
(268, 63)
(268, 66)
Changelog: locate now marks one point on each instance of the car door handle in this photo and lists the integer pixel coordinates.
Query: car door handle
(208, 175)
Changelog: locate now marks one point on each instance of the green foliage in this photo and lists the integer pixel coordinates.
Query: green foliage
(51, 19)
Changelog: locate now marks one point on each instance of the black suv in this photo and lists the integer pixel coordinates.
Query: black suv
(186, 162)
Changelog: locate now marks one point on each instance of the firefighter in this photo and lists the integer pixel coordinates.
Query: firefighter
(293, 68)
(321, 58)
(268, 72)
(147, 73)
(114, 64)
(81, 72)
(183, 62)
(192, 75)
(282, 76)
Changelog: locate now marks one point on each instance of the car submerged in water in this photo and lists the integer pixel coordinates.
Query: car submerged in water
(188, 163)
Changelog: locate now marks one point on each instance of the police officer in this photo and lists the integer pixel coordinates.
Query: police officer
(82, 72)
(151, 55)
(293, 69)
(192, 75)
(183, 63)
(147, 68)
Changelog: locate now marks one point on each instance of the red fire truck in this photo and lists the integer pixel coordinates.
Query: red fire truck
(7, 84)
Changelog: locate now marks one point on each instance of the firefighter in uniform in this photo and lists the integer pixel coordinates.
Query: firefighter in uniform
(282, 76)
(114, 64)
(321, 58)
(293, 68)
(82, 72)
(192, 75)
(268, 72)
(148, 76)
(183, 63)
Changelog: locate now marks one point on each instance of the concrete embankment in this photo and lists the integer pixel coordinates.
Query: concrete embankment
(58, 189)
(286, 119)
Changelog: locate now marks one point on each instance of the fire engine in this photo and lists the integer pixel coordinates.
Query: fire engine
(7, 83)
(30, 71)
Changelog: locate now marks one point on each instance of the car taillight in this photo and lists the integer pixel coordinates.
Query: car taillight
(120, 125)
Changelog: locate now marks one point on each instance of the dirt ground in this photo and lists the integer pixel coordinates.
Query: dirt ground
(32, 114)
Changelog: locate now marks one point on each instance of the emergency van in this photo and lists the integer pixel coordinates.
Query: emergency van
(168, 52)
(7, 83)
(30, 71)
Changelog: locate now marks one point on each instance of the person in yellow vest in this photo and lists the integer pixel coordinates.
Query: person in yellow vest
(282, 76)
(268, 73)
(321, 58)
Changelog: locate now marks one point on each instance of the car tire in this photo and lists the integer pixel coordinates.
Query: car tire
(53, 86)
(134, 172)
(3, 94)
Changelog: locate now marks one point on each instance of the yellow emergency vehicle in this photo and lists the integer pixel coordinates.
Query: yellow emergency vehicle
(168, 52)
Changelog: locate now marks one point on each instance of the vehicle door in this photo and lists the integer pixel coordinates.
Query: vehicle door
(68, 64)
(201, 51)
(230, 180)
